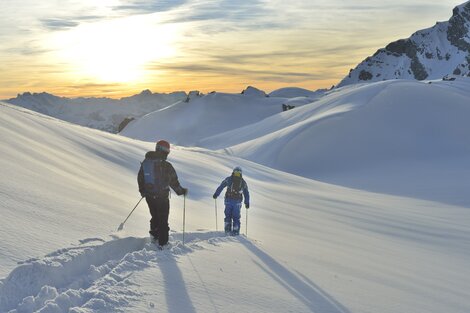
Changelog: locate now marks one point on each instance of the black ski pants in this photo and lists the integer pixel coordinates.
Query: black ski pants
(159, 210)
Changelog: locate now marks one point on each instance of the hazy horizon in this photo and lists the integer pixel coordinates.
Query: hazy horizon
(118, 48)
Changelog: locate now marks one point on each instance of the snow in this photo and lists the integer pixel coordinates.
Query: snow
(412, 133)
(430, 53)
(294, 92)
(312, 246)
(356, 137)
(251, 91)
(186, 123)
(100, 113)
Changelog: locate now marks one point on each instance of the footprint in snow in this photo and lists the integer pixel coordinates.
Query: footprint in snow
(90, 277)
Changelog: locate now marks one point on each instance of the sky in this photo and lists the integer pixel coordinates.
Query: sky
(117, 48)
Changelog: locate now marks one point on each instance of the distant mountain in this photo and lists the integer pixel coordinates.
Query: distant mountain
(432, 53)
(113, 115)
(100, 113)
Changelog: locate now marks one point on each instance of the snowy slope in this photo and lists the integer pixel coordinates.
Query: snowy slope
(384, 137)
(187, 123)
(59, 182)
(432, 53)
(100, 113)
(312, 247)
(412, 133)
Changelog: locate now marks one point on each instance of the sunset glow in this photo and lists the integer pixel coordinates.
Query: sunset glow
(117, 48)
(115, 51)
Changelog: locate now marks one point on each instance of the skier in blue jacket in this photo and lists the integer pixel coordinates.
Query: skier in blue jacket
(237, 190)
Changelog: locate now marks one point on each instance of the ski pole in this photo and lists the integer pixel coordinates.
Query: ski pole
(216, 227)
(184, 215)
(246, 222)
(122, 224)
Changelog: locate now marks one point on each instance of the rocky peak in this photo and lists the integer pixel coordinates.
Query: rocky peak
(432, 53)
(458, 28)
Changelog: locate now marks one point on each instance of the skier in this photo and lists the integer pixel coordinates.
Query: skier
(155, 177)
(236, 186)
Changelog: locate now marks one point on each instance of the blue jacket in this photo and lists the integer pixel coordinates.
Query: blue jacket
(228, 182)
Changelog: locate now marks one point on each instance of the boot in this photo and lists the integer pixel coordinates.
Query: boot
(228, 228)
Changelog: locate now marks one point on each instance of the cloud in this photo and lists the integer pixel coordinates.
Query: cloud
(287, 64)
(288, 56)
(149, 6)
(227, 15)
(285, 55)
(28, 50)
(66, 23)
(224, 70)
(197, 10)
(95, 85)
(235, 11)
(58, 24)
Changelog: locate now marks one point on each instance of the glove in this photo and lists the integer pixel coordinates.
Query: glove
(214, 196)
(247, 205)
(143, 194)
(184, 191)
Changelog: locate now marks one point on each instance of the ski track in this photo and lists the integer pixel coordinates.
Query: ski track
(90, 278)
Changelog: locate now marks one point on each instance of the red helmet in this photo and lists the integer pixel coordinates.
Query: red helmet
(163, 145)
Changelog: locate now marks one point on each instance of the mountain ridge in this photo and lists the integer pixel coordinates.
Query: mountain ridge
(113, 115)
(431, 53)
(97, 112)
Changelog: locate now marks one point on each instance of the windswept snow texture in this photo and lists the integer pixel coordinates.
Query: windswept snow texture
(311, 247)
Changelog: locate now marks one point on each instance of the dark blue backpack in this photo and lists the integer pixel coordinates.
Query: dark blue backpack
(153, 175)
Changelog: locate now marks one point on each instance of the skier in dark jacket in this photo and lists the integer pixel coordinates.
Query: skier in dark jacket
(237, 190)
(156, 176)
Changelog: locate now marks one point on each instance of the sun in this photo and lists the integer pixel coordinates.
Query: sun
(116, 50)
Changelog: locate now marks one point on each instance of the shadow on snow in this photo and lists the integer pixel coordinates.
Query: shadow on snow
(310, 294)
